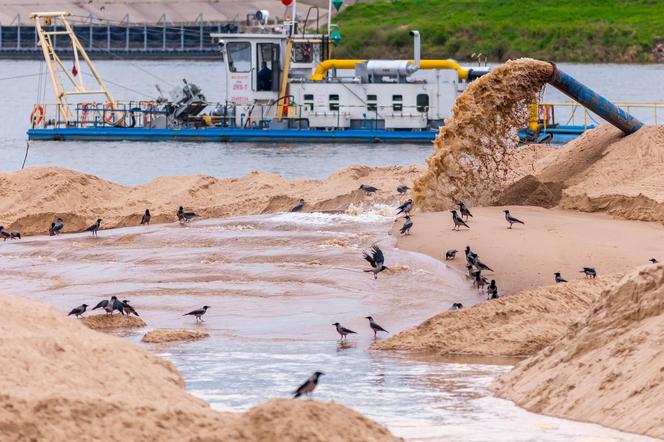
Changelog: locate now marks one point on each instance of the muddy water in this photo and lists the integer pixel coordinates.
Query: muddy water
(275, 284)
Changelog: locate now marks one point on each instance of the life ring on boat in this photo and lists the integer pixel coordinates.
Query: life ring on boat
(37, 115)
(109, 117)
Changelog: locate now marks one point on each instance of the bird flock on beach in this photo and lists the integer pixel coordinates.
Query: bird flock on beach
(374, 256)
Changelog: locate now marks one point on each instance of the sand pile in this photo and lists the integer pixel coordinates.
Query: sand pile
(29, 199)
(105, 322)
(609, 367)
(518, 325)
(472, 153)
(172, 335)
(61, 382)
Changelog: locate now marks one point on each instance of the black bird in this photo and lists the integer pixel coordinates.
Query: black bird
(479, 280)
(463, 210)
(56, 227)
(492, 290)
(458, 222)
(343, 331)
(146, 217)
(110, 305)
(479, 264)
(590, 272)
(406, 207)
(450, 254)
(374, 326)
(51, 231)
(3, 234)
(368, 189)
(407, 225)
(15, 234)
(78, 311)
(376, 259)
(185, 217)
(402, 188)
(299, 206)
(309, 386)
(198, 313)
(128, 308)
(469, 256)
(470, 270)
(653, 260)
(559, 278)
(95, 227)
(510, 219)
(457, 306)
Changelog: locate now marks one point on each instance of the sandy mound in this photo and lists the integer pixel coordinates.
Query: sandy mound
(101, 322)
(471, 160)
(609, 367)
(61, 382)
(517, 325)
(30, 199)
(171, 335)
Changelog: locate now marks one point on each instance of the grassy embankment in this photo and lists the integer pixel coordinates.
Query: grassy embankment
(562, 30)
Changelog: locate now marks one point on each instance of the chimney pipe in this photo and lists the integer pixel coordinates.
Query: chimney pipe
(416, 49)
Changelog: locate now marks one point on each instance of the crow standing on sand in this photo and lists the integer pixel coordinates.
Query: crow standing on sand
(479, 280)
(653, 260)
(492, 290)
(457, 306)
(299, 206)
(128, 308)
(402, 188)
(185, 217)
(198, 313)
(95, 227)
(309, 385)
(470, 270)
(343, 331)
(479, 264)
(407, 225)
(146, 217)
(56, 227)
(374, 326)
(110, 305)
(559, 278)
(15, 234)
(78, 311)
(510, 219)
(458, 222)
(376, 259)
(590, 272)
(463, 210)
(406, 207)
(368, 189)
(450, 254)
(3, 234)
(469, 255)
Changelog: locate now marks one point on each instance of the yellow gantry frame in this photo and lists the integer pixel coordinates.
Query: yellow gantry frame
(56, 67)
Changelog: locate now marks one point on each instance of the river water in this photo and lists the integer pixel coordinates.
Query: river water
(275, 285)
(133, 163)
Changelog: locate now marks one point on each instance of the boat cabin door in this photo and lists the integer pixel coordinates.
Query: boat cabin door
(268, 69)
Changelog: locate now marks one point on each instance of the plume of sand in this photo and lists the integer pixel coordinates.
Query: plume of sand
(471, 151)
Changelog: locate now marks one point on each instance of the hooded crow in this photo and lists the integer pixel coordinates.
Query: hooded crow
(299, 206)
(469, 255)
(128, 308)
(590, 272)
(510, 219)
(470, 268)
(406, 207)
(450, 254)
(458, 222)
(463, 210)
(56, 227)
(3, 234)
(376, 259)
(309, 385)
(407, 225)
(198, 313)
(146, 217)
(653, 260)
(185, 217)
(402, 188)
(78, 311)
(374, 326)
(343, 331)
(479, 264)
(95, 227)
(457, 306)
(15, 234)
(478, 280)
(559, 278)
(110, 305)
(492, 290)
(368, 189)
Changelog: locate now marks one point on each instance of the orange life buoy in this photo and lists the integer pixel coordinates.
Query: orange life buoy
(37, 115)
(109, 117)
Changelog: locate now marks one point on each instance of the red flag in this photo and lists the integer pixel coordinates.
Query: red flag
(74, 71)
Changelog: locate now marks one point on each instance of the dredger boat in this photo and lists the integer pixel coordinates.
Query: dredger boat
(277, 87)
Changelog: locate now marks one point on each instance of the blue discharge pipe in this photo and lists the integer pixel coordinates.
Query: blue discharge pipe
(593, 101)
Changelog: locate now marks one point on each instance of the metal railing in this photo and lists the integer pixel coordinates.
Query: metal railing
(572, 113)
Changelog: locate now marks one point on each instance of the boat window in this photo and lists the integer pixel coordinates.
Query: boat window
(309, 102)
(267, 74)
(334, 102)
(397, 103)
(372, 101)
(303, 53)
(423, 102)
(239, 56)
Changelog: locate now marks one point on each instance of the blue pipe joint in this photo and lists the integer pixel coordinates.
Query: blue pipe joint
(594, 102)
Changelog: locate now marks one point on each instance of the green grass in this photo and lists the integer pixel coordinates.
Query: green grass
(557, 30)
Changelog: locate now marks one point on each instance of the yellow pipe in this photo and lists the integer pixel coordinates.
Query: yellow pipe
(325, 66)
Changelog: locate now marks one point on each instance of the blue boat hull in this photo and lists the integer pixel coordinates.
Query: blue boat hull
(557, 135)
